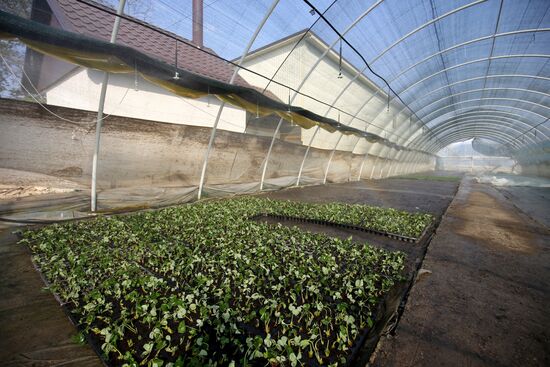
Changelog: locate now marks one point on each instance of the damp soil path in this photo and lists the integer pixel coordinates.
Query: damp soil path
(486, 301)
(34, 330)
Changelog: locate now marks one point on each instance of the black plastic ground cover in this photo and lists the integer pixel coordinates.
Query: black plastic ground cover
(346, 226)
(95, 347)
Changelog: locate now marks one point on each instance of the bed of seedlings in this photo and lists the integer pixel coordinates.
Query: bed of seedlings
(380, 219)
(201, 284)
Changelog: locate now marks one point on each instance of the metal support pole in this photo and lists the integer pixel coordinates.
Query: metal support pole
(264, 168)
(306, 77)
(373, 167)
(362, 165)
(235, 72)
(99, 120)
(305, 156)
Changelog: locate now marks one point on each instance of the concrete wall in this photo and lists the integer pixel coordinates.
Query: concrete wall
(324, 84)
(140, 153)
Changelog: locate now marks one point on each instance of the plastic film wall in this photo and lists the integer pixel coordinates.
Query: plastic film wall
(279, 94)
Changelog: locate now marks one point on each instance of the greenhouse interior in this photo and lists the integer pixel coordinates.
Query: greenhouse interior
(274, 183)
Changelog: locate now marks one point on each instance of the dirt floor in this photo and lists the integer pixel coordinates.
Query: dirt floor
(34, 329)
(483, 303)
(486, 300)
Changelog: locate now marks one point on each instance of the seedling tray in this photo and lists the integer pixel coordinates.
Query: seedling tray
(346, 226)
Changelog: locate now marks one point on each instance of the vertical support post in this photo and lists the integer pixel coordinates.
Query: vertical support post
(305, 156)
(264, 169)
(362, 165)
(373, 167)
(235, 72)
(103, 93)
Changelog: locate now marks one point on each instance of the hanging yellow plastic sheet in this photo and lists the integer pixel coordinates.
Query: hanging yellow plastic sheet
(115, 58)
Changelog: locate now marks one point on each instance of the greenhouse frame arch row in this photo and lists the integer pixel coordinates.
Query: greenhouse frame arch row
(418, 29)
(490, 108)
(413, 133)
(489, 121)
(382, 53)
(467, 133)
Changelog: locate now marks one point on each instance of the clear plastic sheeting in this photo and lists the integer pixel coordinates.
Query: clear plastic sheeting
(466, 157)
(262, 95)
(504, 180)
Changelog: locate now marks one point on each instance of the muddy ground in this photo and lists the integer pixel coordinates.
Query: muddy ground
(486, 301)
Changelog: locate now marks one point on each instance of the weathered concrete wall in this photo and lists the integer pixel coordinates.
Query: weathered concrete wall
(139, 153)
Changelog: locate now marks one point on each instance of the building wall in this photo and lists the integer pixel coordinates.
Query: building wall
(324, 84)
(81, 90)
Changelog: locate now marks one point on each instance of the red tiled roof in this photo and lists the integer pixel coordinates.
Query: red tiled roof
(81, 18)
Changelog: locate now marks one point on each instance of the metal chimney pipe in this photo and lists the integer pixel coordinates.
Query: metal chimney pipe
(197, 23)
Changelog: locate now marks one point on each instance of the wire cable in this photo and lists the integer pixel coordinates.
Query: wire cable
(321, 15)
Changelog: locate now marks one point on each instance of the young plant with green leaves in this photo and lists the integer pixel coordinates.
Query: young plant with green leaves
(202, 284)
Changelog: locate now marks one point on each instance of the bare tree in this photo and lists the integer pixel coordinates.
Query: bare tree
(13, 52)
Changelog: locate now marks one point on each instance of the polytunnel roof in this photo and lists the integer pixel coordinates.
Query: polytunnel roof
(451, 70)
(464, 68)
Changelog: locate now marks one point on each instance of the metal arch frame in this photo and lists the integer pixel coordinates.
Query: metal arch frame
(340, 138)
(222, 105)
(470, 62)
(493, 76)
(432, 21)
(465, 44)
(455, 47)
(489, 108)
(421, 27)
(510, 128)
(483, 90)
(466, 134)
(490, 117)
(506, 137)
(306, 77)
(459, 122)
(486, 99)
(488, 112)
(533, 128)
(493, 41)
(350, 83)
(497, 109)
(485, 108)
(414, 31)
(422, 139)
(476, 78)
